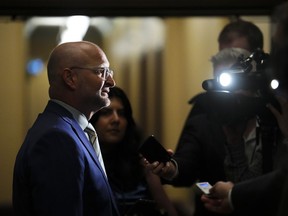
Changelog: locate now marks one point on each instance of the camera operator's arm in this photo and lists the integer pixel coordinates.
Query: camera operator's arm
(282, 117)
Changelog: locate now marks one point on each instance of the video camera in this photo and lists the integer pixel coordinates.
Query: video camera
(246, 74)
(250, 74)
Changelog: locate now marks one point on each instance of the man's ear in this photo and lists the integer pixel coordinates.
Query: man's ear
(70, 78)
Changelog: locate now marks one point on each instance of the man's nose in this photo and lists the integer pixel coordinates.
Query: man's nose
(110, 82)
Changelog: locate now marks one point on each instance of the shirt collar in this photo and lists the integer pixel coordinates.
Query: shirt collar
(77, 115)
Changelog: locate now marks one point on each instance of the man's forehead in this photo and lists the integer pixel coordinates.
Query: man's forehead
(238, 42)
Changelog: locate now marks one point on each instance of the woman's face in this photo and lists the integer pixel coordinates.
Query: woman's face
(112, 123)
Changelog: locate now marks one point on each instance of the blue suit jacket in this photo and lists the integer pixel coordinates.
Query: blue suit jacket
(56, 170)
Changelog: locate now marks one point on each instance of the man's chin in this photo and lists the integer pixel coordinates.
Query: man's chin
(102, 103)
(106, 101)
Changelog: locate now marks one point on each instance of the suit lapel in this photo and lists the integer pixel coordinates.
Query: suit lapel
(68, 117)
(80, 133)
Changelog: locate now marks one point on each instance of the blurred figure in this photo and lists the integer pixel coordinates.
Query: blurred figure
(137, 191)
(202, 153)
(201, 149)
(212, 150)
(237, 34)
(263, 195)
(242, 34)
(57, 171)
(244, 156)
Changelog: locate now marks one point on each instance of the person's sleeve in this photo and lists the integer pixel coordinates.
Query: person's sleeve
(187, 154)
(230, 200)
(259, 196)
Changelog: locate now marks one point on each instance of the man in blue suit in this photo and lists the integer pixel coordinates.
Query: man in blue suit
(57, 171)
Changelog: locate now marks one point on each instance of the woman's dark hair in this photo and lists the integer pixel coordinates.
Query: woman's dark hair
(117, 92)
(122, 163)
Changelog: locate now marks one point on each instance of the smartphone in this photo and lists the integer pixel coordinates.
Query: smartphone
(204, 187)
(152, 150)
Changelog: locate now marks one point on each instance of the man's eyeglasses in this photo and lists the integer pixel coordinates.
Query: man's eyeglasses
(104, 72)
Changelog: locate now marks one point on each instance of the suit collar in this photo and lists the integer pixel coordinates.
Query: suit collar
(77, 115)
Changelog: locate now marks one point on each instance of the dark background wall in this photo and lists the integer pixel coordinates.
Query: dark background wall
(23, 8)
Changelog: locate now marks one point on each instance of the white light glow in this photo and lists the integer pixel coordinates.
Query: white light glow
(76, 28)
(274, 84)
(225, 79)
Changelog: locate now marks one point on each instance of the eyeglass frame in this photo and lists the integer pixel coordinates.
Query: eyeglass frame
(105, 73)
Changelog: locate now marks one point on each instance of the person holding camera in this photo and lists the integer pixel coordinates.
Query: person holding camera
(235, 111)
(215, 149)
(266, 195)
(212, 150)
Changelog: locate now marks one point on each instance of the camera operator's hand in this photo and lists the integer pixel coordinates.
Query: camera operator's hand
(167, 171)
(282, 117)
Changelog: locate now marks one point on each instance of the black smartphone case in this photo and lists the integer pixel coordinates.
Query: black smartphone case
(152, 150)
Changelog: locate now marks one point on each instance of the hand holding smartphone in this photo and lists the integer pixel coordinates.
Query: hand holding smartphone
(152, 150)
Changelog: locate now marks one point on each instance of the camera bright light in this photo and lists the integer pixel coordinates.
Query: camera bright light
(225, 79)
(274, 84)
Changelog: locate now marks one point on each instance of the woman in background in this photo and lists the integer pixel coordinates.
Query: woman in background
(137, 191)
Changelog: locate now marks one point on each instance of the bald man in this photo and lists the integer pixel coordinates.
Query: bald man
(57, 171)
